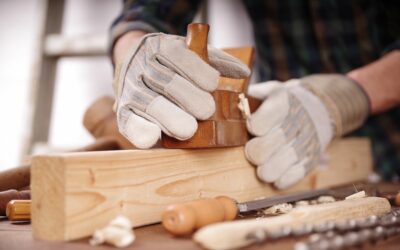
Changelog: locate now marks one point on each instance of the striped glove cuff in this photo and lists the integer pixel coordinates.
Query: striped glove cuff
(347, 103)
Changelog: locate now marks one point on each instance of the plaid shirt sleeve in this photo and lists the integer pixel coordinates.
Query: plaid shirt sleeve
(167, 16)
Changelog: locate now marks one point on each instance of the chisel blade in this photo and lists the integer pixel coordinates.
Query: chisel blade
(268, 202)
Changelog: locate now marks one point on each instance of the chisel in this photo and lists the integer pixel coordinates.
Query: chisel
(183, 219)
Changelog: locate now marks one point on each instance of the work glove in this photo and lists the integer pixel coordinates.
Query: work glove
(296, 122)
(163, 86)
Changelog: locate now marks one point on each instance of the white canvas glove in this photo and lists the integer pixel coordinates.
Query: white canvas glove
(162, 85)
(297, 121)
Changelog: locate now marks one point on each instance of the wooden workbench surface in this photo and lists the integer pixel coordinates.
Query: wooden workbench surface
(19, 236)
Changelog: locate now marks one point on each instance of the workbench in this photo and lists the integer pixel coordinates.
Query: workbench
(19, 236)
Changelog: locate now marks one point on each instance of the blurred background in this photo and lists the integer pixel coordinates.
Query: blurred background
(26, 50)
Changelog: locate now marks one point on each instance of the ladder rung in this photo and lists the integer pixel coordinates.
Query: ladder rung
(81, 45)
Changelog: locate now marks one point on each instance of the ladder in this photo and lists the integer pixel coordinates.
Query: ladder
(52, 46)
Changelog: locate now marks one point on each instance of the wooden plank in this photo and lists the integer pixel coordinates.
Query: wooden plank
(75, 193)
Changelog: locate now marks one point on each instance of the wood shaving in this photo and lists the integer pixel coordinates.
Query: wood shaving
(325, 199)
(118, 233)
(357, 195)
(244, 106)
(302, 203)
(278, 209)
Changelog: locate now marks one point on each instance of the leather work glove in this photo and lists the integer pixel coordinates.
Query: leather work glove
(162, 85)
(296, 122)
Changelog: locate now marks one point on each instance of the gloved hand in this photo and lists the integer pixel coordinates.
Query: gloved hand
(296, 122)
(162, 85)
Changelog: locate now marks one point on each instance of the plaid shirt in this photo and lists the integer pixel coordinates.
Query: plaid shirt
(295, 38)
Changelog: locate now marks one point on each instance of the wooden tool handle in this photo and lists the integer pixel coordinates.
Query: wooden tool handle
(183, 219)
(234, 235)
(19, 210)
(196, 39)
(227, 126)
(12, 194)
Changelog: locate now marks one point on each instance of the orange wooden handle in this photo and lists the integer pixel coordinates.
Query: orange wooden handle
(196, 39)
(183, 219)
(19, 210)
(12, 194)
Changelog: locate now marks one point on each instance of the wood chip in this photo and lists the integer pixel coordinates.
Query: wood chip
(279, 209)
(325, 199)
(118, 233)
(302, 203)
(357, 195)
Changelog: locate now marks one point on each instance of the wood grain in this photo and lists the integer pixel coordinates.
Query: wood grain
(75, 193)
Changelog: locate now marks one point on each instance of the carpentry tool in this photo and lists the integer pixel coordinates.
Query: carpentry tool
(351, 232)
(394, 199)
(12, 194)
(19, 210)
(183, 219)
(227, 127)
(236, 234)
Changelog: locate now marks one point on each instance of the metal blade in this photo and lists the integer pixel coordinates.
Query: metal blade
(268, 202)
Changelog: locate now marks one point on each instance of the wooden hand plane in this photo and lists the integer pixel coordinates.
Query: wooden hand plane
(227, 127)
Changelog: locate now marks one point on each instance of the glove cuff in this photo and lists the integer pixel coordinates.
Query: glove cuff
(346, 101)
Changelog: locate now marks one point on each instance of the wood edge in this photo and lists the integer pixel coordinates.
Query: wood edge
(48, 197)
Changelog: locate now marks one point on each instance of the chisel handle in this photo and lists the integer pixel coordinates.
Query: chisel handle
(19, 210)
(12, 194)
(183, 219)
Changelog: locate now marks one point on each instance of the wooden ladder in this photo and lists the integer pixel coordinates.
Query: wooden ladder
(52, 46)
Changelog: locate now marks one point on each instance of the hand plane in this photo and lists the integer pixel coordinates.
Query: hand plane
(227, 127)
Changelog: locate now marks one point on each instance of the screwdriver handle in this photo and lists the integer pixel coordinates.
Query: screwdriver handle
(183, 219)
(19, 210)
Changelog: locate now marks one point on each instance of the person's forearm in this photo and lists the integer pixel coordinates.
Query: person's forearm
(381, 82)
(124, 44)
